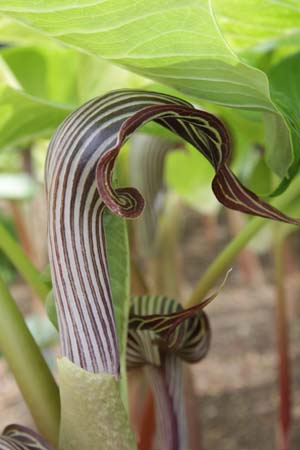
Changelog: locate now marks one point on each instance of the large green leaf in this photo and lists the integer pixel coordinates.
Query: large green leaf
(253, 22)
(32, 102)
(96, 77)
(177, 43)
(138, 38)
(13, 33)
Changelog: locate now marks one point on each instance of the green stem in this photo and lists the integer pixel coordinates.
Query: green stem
(16, 255)
(227, 255)
(224, 259)
(32, 374)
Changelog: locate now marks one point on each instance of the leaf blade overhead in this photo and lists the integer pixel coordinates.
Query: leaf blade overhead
(201, 64)
(257, 21)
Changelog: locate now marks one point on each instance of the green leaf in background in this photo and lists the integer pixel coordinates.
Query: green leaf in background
(54, 80)
(259, 177)
(185, 50)
(24, 118)
(270, 53)
(285, 90)
(47, 72)
(190, 177)
(251, 23)
(96, 77)
(245, 129)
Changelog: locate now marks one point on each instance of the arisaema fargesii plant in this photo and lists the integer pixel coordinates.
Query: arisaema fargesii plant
(88, 248)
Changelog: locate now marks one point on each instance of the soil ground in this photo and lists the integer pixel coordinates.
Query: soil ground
(236, 385)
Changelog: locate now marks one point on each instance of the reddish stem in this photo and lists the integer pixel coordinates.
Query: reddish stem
(210, 228)
(147, 424)
(167, 419)
(283, 346)
(138, 284)
(192, 411)
(21, 228)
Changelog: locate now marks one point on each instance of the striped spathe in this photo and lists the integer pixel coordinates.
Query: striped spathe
(79, 168)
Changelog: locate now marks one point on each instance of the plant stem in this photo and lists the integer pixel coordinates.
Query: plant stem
(146, 419)
(247, 260)
(209, 226)
(165, 261)
(282, 340)
(16, 255)
(227, 255)
(148, 425)
(138, 284)
(224, 259)
(166, 419)
(32, 374)
(193, 413)
(21, 228)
